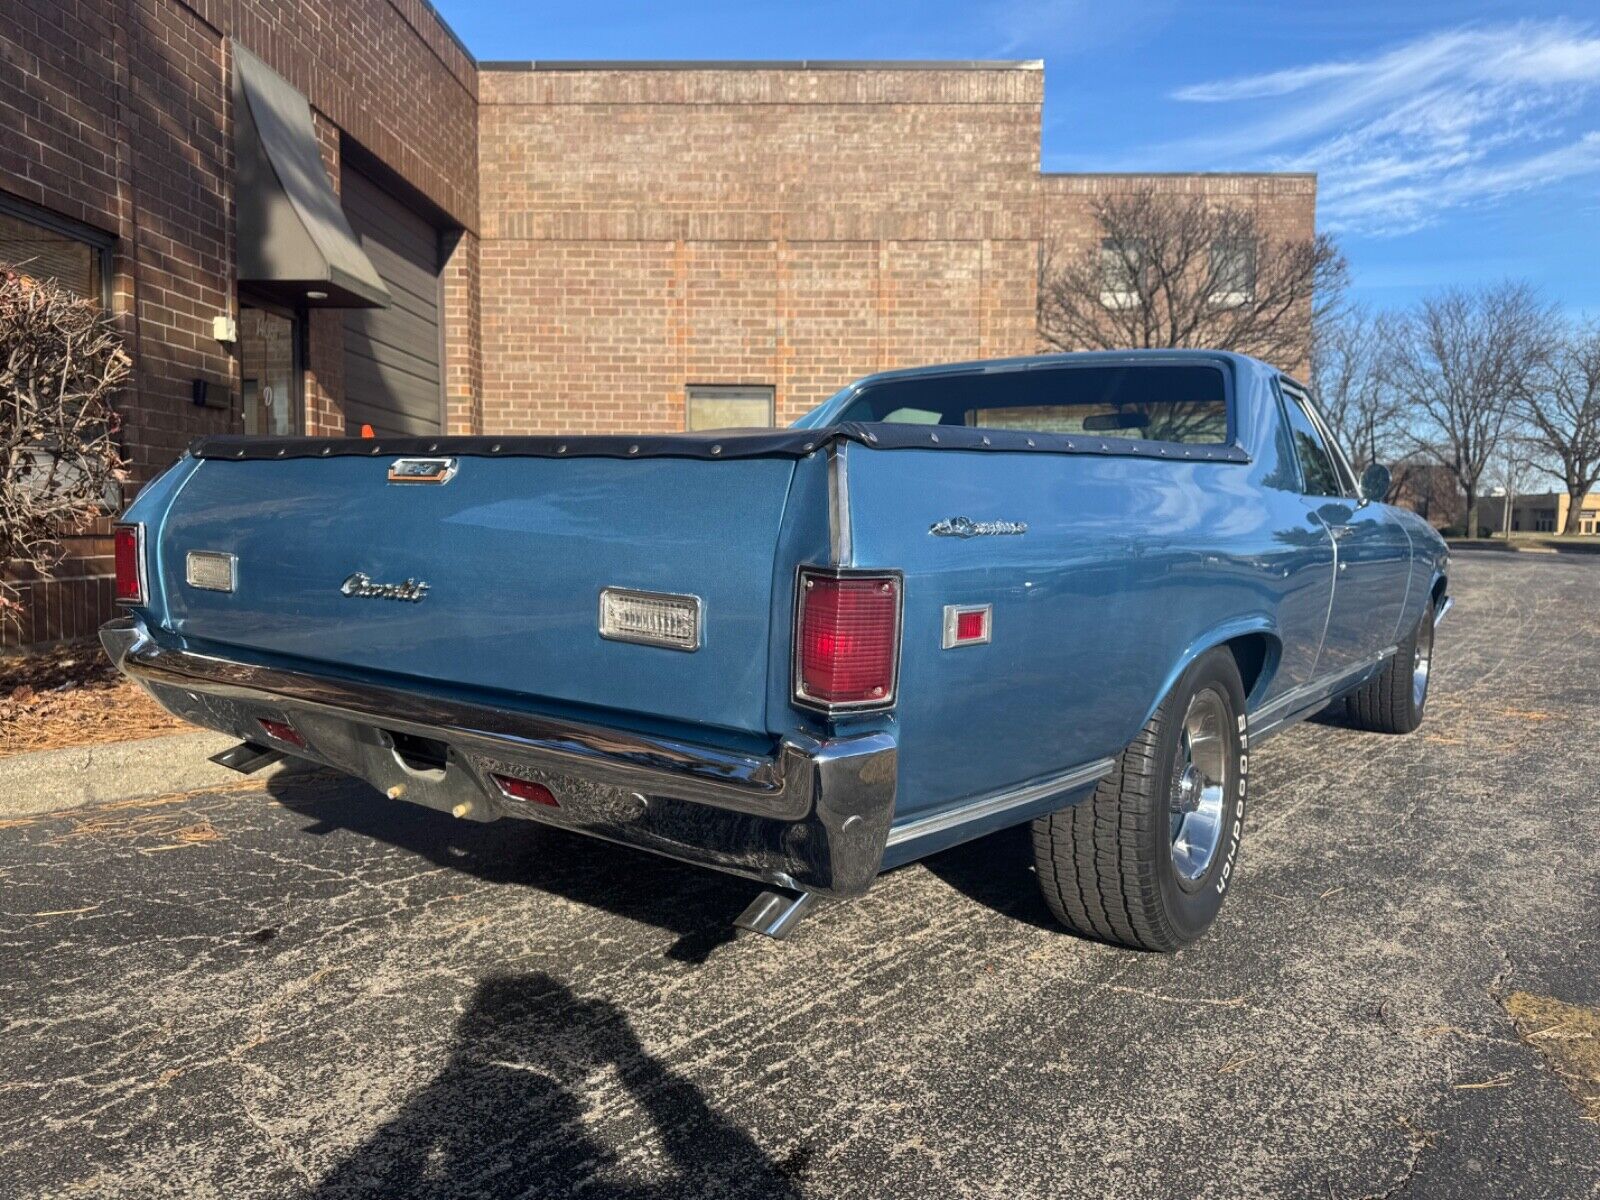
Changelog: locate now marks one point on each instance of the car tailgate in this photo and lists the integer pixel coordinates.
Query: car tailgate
(514, 552)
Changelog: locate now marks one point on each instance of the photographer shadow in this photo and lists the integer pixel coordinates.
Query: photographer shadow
(504, 1117)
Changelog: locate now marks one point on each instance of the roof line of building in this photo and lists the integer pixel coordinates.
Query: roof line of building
(472, 59)
(801, 64)
(1178, 174)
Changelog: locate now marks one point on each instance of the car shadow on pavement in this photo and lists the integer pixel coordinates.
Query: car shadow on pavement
(506, 1116)
(696, 905)
(997, 872)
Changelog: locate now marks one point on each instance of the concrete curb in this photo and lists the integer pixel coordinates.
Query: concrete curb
(55, 779)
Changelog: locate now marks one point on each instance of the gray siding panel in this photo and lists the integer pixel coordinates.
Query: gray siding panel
(393, 378)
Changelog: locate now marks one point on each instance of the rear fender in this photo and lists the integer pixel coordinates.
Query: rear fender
(1218, 635)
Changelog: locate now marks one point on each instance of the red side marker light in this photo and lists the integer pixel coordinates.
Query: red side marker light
(967, 625)
(526, 789)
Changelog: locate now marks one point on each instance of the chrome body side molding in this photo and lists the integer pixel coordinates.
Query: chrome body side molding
(980, 808)
(1311, 697)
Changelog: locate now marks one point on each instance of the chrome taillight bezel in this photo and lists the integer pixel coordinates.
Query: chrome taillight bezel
(797, 690)
(141, 568)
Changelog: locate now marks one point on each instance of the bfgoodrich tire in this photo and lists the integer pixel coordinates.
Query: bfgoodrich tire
(1394, 700)
(1147, 860)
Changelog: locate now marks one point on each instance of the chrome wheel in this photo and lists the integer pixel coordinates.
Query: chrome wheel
(1420, 663)
(1199, 792)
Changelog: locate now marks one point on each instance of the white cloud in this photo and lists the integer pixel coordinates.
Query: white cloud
(1456, 117)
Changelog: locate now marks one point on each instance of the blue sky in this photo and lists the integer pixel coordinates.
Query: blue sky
(1455, 142)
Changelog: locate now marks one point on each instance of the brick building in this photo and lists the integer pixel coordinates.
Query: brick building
(541, 246)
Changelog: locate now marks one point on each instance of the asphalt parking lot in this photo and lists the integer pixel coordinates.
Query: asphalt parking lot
(307, 990)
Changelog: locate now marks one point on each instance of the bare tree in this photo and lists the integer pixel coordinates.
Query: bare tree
(1349, 374)
(1169, 270)
(1562, 412)
(60, 363)
(1464, 361)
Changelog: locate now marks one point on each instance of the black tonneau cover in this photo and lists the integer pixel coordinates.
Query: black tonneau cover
(711, 444)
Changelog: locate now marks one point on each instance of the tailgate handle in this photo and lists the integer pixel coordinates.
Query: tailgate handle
(422, 470)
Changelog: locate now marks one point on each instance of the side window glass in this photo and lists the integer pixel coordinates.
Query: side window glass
(1316, 464)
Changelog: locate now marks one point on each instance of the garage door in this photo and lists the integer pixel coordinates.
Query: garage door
(392, 357)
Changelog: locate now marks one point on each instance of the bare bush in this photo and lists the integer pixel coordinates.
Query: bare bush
(60, 363)
(1171, 271)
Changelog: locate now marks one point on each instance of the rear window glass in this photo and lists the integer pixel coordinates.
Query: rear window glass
(1150, 403)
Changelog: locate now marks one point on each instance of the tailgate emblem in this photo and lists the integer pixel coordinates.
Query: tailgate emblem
(361, 586)
(422, 470)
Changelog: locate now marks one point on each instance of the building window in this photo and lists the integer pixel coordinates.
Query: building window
(729, 406)
(1233, 271)
(36, 242)
(1121, 264)
(270, 365)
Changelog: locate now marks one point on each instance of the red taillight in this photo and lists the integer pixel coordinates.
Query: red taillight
(848, 629)
(526, 789)
(283, 732)
(128, 541)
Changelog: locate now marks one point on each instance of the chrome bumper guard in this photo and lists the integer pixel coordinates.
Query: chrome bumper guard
(814, 816)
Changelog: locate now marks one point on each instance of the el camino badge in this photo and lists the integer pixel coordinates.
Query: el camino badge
(361, 586)
(422, 470)
(966, 527)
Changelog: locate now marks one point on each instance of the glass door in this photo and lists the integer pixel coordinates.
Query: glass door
(269, 364)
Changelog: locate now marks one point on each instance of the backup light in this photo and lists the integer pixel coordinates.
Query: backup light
(210, 570)
(847, 651)
(650, 618)
(128, 545)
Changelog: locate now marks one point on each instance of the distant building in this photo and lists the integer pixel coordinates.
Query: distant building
(1541, 512)
(1431, 491)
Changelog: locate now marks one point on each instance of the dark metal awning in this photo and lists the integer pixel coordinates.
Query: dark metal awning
(295, 245)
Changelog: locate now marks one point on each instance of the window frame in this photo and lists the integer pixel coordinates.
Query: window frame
(1222, 246)
(298, 318)
(1344, 476)
(1230, 399)
(100, 242)
(689, 398)
(1122, 301)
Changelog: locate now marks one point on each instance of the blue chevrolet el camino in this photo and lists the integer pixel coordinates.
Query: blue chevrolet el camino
(1069, 590)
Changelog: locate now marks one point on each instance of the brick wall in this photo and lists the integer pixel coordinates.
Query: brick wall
(1284, 208)
(115, 113)
(648, 229)
(622, 232)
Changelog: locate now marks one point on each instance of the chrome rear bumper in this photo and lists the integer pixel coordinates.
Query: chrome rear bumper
(814, 815)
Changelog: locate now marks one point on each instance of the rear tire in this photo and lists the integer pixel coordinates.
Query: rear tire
(1395, 700)
(1147, 860)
